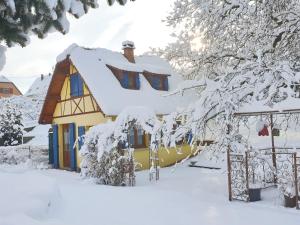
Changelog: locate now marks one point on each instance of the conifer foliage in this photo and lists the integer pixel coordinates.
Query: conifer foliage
(10, 126)
(21, 18)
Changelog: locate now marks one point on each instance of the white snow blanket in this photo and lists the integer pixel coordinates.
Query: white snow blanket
(26, 197)
(182, 196)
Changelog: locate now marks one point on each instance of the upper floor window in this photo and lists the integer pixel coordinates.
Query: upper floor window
(130, 80)
(6, 90)
(157, 81)
(127, 79)
(76, 85)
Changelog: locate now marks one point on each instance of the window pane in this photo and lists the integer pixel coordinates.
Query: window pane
(76, 85)
(5, 90)
(140, 138)
(125, 80)
(156, 82)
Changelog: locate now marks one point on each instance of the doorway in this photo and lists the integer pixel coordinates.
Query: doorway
(66, 145)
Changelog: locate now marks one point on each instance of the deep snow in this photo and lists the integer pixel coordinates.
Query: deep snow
(183, 196)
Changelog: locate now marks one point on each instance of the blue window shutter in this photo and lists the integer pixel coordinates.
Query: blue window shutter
(81, 132)
(50, 146)
(72, 147)
(137, 81)
(166, 84)
(80, 86)
(125, 79)
(55, 147)
(74, 85)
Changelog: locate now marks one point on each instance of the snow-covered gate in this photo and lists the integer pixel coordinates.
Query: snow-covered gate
(259, 166)
(237, 176)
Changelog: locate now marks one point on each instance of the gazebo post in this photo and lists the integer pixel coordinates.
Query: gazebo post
(273, 146)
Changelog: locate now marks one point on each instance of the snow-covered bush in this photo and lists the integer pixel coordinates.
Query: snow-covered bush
(106, 154)
(108, 167)
(10, 126)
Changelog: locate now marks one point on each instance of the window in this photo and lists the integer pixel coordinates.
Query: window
(136, 138)
(157, 81)
(6, 90)
(127, 79)
(76, 85)
(130, 80)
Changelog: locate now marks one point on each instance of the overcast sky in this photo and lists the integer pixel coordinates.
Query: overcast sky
(106, 27)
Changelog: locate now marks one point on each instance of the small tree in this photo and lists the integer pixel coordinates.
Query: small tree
(10, 126)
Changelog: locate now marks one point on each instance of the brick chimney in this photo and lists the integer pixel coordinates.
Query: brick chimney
(128, 48)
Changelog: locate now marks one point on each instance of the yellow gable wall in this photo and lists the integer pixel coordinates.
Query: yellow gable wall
(63, 114)
(166, 157)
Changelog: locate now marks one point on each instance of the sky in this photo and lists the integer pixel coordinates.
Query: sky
(105, 27)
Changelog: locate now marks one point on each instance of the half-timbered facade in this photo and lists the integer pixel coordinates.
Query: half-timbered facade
(92, 86)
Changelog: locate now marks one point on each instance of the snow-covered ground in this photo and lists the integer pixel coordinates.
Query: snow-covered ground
(183, 196)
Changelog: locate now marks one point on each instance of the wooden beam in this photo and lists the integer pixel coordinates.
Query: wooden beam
(76, 114)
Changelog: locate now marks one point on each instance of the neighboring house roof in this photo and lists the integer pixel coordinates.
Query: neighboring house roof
(39, 135)
(39, 86)
(111, 97)
(3, 79)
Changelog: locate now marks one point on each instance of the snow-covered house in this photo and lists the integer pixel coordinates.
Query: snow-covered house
(8, 88)
(92, 86)
(39, 87)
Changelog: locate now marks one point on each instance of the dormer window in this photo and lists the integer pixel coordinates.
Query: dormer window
(127, 79)
(157, 81)
(130, 80)
(76, 85)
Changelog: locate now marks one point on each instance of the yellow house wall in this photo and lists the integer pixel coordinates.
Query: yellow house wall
(80, 120)
(167, 157)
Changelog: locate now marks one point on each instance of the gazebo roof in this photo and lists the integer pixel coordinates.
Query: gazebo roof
(289, 105)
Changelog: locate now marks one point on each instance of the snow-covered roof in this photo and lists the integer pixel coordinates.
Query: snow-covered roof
(39, 86)
(259, 107)
(3, 79)
(40, 134)
(106, 89)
